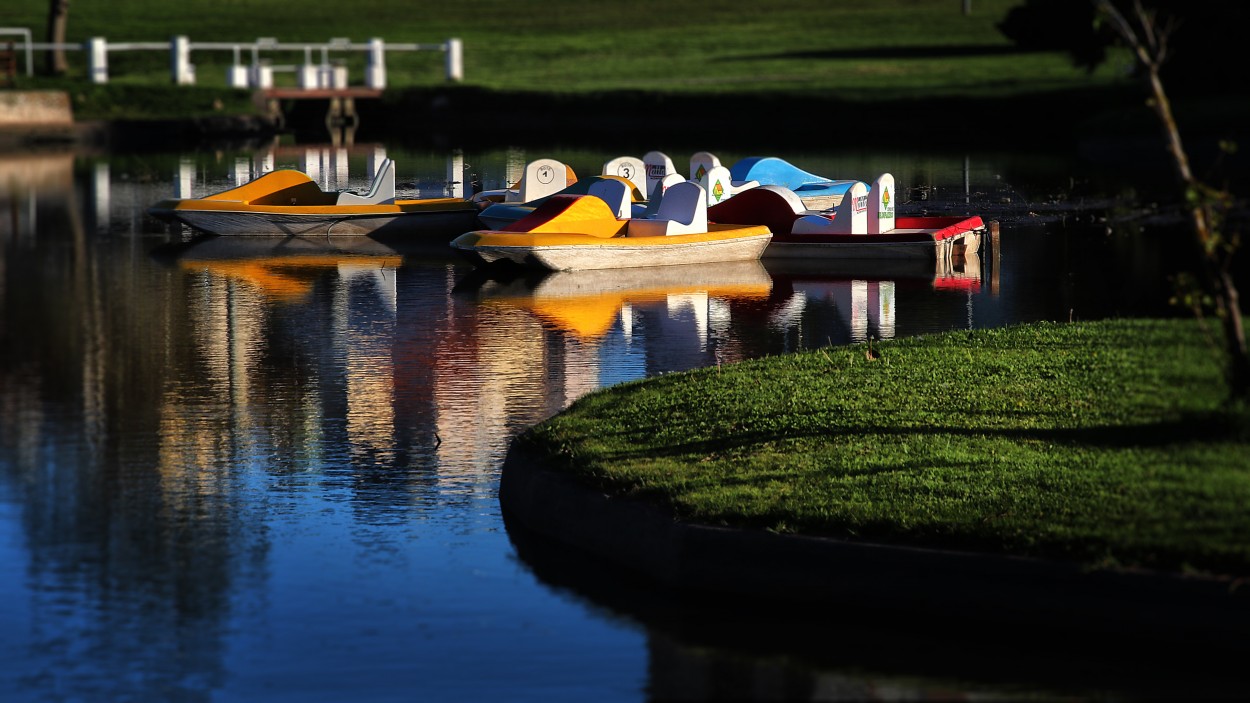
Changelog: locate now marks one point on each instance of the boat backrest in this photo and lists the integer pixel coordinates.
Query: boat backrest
(881, 205)
(617, 194)
(851, 217)
(382, 190)
(630, 167)
(702, 162)
(683, 211)
(719, 187)
(659, 166)
(656, 198)
(542, 177)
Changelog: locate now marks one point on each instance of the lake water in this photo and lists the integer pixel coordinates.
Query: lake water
(241, 471)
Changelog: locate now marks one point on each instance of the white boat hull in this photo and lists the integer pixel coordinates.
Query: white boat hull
(575, 257)
(228, 222)
(929, 250)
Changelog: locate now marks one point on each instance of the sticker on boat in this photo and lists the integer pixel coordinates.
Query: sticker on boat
(625, 171)
(546, 174)
(718, 191)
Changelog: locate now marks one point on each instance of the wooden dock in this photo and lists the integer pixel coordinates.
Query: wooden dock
(340, 102)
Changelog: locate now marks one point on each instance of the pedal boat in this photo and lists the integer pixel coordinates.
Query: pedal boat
(502, 214)
(287, 202)
(864, 226)
(575, 232)
(816, 192)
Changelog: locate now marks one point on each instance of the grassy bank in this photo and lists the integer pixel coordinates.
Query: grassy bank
(1105, 443)
(889, 50)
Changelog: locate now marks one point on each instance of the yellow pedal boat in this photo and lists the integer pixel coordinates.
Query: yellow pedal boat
(574, 232)
(288, 202)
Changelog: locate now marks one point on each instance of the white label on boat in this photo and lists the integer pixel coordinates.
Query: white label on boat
(625, 171)
(881, 202)
(546, 174)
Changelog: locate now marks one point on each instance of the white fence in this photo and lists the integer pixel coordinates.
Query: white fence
(317, 70)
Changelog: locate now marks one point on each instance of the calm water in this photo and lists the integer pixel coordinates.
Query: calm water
(240, 471)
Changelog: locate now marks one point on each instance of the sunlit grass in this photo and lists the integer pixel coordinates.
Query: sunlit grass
(1106, 443)
(861, 51)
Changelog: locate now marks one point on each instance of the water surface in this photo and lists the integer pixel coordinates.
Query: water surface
(241, 471)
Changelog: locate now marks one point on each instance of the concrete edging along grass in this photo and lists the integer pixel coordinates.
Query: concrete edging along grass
(815, 570)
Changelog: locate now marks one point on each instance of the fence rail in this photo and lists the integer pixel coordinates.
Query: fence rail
(259, 72)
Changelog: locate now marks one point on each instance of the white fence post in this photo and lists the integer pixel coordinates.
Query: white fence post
(98, 59)
(375, 69)
(236, 75)
(455, 60)
(180, 61)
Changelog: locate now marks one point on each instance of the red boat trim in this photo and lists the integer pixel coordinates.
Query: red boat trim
(946, 227)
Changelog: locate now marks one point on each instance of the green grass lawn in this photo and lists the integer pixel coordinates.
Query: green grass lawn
(852, 51)
(1106, 443)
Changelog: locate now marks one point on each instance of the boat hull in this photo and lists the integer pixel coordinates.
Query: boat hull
(216, 218)
(571, 253)
(921, 238)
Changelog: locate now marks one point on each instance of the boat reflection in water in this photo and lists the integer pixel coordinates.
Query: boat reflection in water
(621, 324)
(287, 271)
(588, 303)
(817, 303)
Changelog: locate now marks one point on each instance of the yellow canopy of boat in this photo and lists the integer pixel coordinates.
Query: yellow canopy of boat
(283, 187)
(571, 215)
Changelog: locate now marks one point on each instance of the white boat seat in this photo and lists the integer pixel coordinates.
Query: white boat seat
(701, 163)
(659, 166)
(720, 187)
(381, 192)
(683, 211)
(542, 177)
(656, 197)
(630, 167)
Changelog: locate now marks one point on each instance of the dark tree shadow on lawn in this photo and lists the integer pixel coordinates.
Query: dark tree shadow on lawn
(890, 52)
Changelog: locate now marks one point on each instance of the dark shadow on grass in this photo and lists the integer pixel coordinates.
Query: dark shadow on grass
(1198, 427)
(889, 52)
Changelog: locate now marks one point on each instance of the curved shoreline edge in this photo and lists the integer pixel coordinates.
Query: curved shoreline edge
(814, 571)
